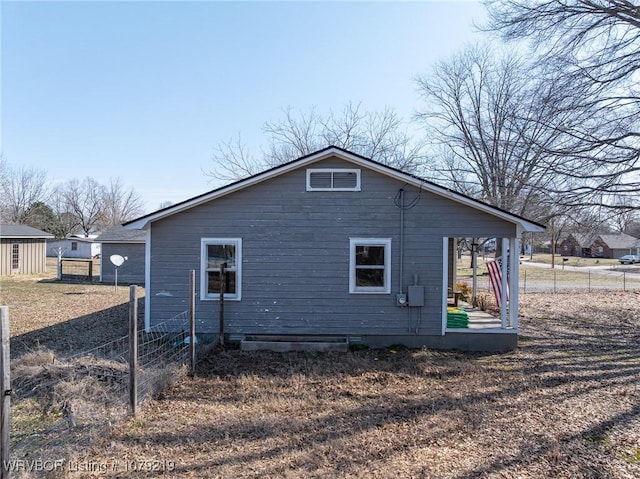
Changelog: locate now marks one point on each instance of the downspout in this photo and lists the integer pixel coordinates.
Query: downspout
(401, 192)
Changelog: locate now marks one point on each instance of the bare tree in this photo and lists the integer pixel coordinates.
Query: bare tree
(19, 189)
(382, 136)
(233, 161)
(594, 47)
(68, 222)
(84, 200)
(483, 111)
(119, 203)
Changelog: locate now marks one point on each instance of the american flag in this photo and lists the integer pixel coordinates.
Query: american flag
(495, 276)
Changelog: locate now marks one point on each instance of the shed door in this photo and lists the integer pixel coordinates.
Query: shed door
(15, 258)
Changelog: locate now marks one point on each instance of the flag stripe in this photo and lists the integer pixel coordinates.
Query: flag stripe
(495, 277)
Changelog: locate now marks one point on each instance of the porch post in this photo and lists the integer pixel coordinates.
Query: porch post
(474, 262)
(514, 283)
(445, 281)
(503, 287)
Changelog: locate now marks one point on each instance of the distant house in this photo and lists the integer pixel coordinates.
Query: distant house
(576, 244)
(75, 246)
(129, 244)
(614, 245)
(22, 249)
(331, 244)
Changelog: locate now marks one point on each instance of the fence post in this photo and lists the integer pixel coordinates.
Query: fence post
(192, 319)
(624, 281)
(133, 349)
(5, 390)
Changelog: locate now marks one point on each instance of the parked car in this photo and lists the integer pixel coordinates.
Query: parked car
(629, 259)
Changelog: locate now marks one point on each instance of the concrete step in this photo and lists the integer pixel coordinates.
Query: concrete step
(287, 343)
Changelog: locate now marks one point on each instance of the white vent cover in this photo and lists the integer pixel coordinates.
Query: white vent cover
(333, 179)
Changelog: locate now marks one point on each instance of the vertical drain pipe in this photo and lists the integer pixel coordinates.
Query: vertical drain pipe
(401, 192)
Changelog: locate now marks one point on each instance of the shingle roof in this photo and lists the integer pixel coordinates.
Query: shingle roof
(585, 240)
(118, 234)
(620, 241)
(22, 231)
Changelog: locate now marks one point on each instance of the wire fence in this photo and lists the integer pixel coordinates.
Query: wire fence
(59, 402)
(163, 354)
(560, 280)
(77, 270)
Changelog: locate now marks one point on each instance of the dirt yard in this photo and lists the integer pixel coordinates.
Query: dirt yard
(565, 404)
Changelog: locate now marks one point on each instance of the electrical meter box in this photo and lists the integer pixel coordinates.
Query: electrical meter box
(415, 295)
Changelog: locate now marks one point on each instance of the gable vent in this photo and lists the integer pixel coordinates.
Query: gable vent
(327, 179)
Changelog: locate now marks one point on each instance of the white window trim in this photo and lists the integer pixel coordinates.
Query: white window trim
(204, 242)
(353, 242)
(333, 170)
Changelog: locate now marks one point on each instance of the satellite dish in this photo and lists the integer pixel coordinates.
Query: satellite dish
(117, 260)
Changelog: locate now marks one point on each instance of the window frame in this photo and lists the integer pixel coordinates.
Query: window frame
(204, 243)
(353, 244)
(356, 171)
(15, 256)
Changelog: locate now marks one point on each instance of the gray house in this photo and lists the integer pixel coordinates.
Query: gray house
(23, 249)
(331, 244)
(128, 244)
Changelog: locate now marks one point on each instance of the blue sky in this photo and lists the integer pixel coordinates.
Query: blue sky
(145, 90)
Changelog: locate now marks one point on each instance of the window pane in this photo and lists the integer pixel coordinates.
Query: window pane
(370, 277)
(370, 255)
(213, 283)
(221, 253)
(15, 256)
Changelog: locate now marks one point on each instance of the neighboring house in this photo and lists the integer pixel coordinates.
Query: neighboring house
(576, 244)
(128, 244)
(329, 244)
(75, 246)
(23, 249)
(614, 245)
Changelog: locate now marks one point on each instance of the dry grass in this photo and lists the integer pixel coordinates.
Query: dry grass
(571, 260)
(565, 404)
(64, 317)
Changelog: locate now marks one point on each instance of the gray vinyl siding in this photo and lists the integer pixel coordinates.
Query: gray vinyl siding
(295, 270)
(32, 259)
(131, 271)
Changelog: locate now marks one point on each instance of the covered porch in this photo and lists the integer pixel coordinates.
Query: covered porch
(465, 316)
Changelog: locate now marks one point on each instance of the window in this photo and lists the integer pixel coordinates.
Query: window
(214, 253)
(74, 246)
(332, 179)
(370, 265)
(15, 256)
